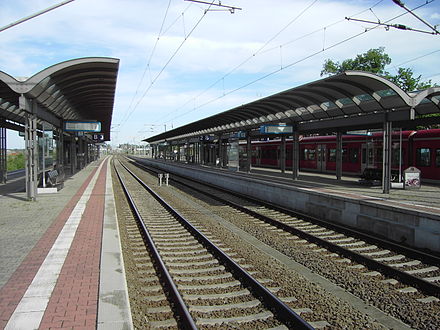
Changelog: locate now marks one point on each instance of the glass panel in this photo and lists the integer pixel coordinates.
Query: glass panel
(386, 92)
(328, 105)
(345, 101)
(309, 154)
(344, 155)
(332, 155)
(423, 157)
(437, 158)
(354, 155)
(364, 97)
(425, 100)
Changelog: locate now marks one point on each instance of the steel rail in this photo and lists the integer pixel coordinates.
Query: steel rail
(184, 317)
(423, 285)
(410, 252)
(283, 312)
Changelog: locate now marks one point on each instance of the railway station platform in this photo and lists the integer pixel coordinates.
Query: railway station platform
(405, 216)
(60, 260)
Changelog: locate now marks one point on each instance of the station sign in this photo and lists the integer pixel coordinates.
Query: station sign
(206, 138)
(82, 126)
(276, 129)
(98, 137)
(239, 135)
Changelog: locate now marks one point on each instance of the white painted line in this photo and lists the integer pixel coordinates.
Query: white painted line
(113, 305)
(30, 310)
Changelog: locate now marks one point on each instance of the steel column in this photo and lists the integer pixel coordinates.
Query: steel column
(295, 155)
(338, 156)
(283, 154)
(3, 156)
(386, 172)
(248, 152)
(220, 151)
(31, 144)
(73, 155)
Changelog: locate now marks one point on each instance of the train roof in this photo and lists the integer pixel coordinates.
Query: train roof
(421, 134)
(429, 133)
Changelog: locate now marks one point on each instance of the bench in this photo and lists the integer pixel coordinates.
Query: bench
(373, 176)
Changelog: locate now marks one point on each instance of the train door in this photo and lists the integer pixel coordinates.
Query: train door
(256, 155)
(367, 156)
(320, 159)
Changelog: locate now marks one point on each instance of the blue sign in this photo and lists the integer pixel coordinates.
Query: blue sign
(238, 135)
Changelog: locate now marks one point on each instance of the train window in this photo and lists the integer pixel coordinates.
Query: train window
(437, 158)
(354, 155)
(331, 155)
(344, 155)
(423, 157)
(309, 154)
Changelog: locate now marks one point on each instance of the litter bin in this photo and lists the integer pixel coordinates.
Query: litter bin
(411, 178)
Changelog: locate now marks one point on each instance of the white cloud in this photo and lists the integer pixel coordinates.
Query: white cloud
(219, 44)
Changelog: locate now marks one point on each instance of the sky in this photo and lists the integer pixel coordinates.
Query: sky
(181, 61)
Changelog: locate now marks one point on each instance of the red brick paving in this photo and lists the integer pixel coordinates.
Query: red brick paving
(74, 301)
(13, 290)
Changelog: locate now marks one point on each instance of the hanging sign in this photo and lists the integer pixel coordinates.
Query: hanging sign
(276, 129)
(82, 126)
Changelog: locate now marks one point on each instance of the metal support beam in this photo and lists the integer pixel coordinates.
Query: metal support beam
(187, 160)
(283, 154)
(295, 155)
(248, 152)
(201, 153)
(31, 156)
(3, 155)
(73, 158)
(220, 151)
(338, 156)
(386, 172)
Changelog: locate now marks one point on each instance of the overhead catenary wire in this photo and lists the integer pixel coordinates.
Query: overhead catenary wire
(289, 65)
(165, 66)
(401, 26)
(258, 51)
(261, 50)
(147, 67)
(395, 67)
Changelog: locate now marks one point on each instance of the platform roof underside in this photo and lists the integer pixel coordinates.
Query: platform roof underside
(348, 101)
(79, 89)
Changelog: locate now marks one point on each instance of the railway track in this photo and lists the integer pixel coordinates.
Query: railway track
(406, 269)
(205, 287)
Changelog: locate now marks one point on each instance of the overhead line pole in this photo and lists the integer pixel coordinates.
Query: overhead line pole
(34, 15)
(402, 5)
(230, 8)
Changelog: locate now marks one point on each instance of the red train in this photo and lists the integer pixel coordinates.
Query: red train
(359, 152)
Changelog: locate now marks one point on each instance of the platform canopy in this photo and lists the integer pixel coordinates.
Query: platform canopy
(348, 101)
(78, 89)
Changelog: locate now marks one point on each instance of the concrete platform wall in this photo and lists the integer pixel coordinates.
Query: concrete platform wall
(400, 224)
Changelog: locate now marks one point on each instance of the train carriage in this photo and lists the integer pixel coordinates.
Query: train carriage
(359, 152)
(426, 153)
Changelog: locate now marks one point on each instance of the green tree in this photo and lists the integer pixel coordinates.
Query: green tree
(406, 80)
(375, 61)
(15, 162)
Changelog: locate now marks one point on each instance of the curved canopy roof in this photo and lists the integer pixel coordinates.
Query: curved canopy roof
(79, 89)
(351, 100)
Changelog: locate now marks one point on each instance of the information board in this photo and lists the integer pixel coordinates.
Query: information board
(82, 126)
(276, 129)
